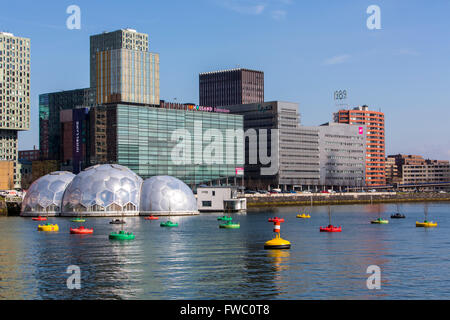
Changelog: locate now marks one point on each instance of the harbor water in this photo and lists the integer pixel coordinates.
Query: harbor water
(197, 260)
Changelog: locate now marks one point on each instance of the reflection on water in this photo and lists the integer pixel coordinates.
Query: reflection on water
(198, 260)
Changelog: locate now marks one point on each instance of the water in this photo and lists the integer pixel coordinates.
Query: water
(198, 260)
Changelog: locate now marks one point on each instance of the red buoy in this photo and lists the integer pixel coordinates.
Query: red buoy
(81, 230)
(39, 218)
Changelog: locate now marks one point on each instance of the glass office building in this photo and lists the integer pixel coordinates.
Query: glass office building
(142, 139)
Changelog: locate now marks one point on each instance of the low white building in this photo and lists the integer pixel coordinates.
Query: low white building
(218, 199)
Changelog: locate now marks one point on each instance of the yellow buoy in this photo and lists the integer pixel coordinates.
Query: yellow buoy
(48, 227)
(426, 224)
(277, 242)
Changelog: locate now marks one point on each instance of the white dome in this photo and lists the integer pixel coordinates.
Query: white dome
(103, 190)
(45, 194)
(167, 195)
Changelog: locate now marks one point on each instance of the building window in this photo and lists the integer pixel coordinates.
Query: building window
(206, 203)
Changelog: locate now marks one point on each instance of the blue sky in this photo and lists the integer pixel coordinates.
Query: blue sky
(307, 50)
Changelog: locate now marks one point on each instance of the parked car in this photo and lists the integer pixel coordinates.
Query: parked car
(251, 192)
(263, 191)
(292, 191)
(324, 191)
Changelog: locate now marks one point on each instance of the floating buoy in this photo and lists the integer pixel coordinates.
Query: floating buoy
(39, 218)
(224, 218)
(330, 228)
(426, 224)
(48, 227)
(230, 225)
(379, 221)
(121, 235)
(117, 221)
(277, 242)
(169, 224)
(151, 218)
(303, 216)
(81, 230)
(398, 216)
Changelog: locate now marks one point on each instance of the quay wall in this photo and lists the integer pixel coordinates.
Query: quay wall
(342, 198)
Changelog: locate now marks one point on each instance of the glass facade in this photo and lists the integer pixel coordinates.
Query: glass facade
(127, 76)
(145, 143)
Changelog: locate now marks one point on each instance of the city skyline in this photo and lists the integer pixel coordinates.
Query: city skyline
(306, 52)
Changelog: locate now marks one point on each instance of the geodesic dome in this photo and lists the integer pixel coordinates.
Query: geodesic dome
(103, 190)
(45, 194)
(168, 196)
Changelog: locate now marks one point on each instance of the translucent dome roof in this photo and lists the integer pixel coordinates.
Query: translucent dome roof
(169, 195)
(45, 194)
(107, 189)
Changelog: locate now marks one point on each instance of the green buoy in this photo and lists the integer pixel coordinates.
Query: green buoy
(230, 225)
(169, 224)
(224, 218)
(121, 235)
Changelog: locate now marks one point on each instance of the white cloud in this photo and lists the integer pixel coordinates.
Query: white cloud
(337, 59)
(245, 6)
(279, 14)
(407, 52)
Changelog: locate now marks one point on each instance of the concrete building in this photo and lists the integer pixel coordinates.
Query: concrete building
(14, 96)
(375, 154)
(392, 173)
(231, 87)
(431, 171)
(50, 106)
(26, 172)
(342, 155)
(30, 155)
(6, 175)
(295, 162)
(219, 199)
(75, 139)
(122, 68)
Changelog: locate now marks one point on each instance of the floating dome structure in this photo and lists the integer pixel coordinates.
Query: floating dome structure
(103, 190)
(45, 194)
(166, 195)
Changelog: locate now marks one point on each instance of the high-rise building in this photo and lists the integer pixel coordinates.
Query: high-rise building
(14, 96)
(296, 161)
(50, 106)
(231, 87)
(375, 153)
(142, 139)
(122, 68)
(342, 155)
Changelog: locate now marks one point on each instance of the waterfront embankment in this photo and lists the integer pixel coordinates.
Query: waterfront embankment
(274, 200)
